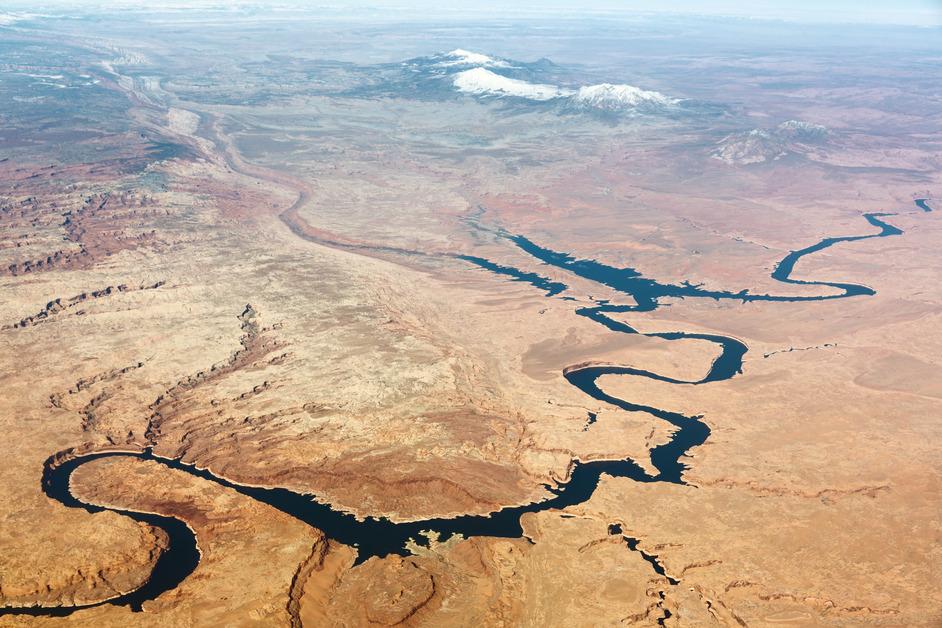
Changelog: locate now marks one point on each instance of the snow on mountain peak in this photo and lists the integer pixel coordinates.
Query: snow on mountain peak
(609, 97)
(760, 145)
(801, 130)
(482, 75)
(459, 56)
(483, 82)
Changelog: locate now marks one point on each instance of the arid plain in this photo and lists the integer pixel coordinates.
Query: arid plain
(332, 294)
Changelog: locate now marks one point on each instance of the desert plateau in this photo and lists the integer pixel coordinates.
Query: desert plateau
(422, 316)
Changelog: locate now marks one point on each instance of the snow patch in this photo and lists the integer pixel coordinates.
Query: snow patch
(483, 82)
(802, 131)
(465, 57)
(762, 145)
(609, 97)
(484, 76)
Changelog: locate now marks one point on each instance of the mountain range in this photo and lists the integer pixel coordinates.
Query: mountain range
(488, 78)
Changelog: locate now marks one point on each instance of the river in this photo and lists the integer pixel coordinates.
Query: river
(380, 536)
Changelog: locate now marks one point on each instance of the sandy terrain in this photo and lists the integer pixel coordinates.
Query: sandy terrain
(264, 283)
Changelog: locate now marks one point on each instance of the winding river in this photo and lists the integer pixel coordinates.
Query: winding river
(381, 537)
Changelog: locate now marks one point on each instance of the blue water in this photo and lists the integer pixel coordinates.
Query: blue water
(646, 292)
(381, 537)
(552, 288)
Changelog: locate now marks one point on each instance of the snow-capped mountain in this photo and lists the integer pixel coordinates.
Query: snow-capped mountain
(443, 76)
(800, 131)
(490, 78)
(608, 97)
(761, 145)
(459, 57)
(484, 76)
(483, 82)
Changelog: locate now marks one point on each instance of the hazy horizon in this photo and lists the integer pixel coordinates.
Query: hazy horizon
(903, 12)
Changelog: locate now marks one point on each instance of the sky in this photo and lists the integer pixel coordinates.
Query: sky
(913, 12)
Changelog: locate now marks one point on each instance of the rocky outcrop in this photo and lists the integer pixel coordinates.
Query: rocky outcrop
(61, 306)
(107, 573)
